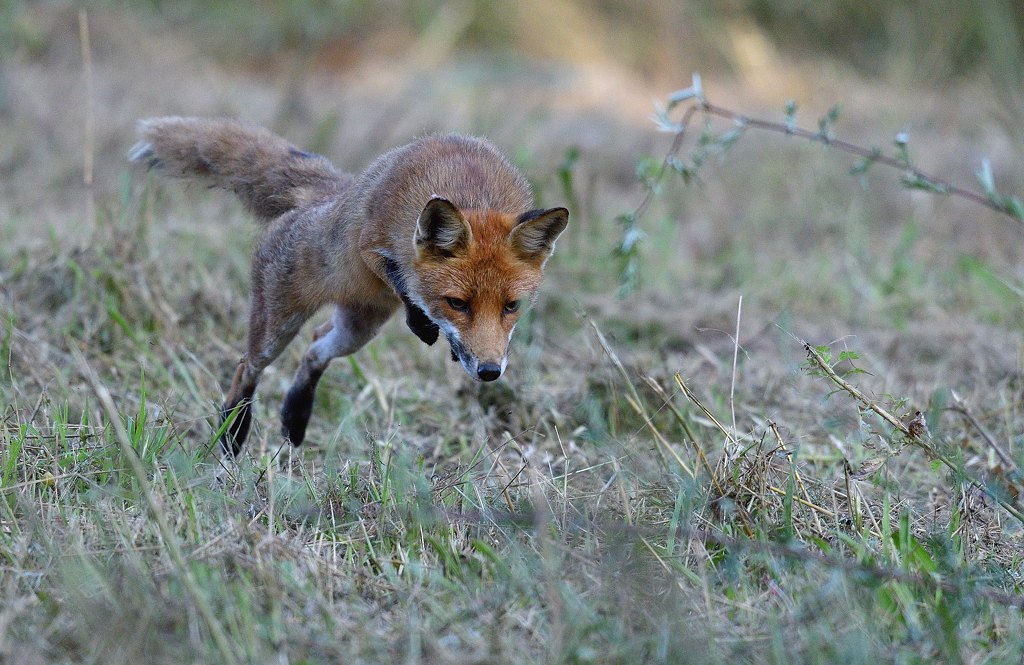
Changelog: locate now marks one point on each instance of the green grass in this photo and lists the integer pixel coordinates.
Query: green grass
(433, 533)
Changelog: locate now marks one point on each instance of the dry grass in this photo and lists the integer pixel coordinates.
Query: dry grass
(644, 486)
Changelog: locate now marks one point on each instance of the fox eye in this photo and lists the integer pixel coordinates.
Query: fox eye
(512, 307)
(458, 304)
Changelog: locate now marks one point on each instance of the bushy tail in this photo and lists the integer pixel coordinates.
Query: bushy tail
(269, 175)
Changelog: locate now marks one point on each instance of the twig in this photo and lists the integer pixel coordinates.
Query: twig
(913, 437)
(816, 358)
(1004, 205)
(1007, 461)
(90, 120)
(873, 155)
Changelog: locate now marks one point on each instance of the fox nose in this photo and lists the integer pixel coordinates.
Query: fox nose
(488, 371)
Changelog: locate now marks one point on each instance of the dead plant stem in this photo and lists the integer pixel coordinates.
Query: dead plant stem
(919, 441)
(89, 137)
(634, 401)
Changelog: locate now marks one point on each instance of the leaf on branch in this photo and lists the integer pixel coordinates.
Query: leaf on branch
(626, 220)
(1011, 205)
(730, 137)
(680, 96)
(865, 163)
(630, 239)
(662, 120)
(919, 181)
(790, 116)
(825, 125)
(681, 168)
(1015, 208)
(686, 94)
(902, 151)
(986, 179)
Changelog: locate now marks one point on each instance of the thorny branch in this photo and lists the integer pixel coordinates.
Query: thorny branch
(920, 439)
(914, 177)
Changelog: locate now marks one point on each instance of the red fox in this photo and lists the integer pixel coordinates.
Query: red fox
(444, 226)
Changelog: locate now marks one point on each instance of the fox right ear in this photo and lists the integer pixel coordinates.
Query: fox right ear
(536, 231)
(441, 229)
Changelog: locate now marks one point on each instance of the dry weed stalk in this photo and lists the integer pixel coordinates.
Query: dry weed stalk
(1011, 467)
(635, 403)
(89, 138)
(913, 434)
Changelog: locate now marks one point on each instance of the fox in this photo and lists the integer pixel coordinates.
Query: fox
(444, 227)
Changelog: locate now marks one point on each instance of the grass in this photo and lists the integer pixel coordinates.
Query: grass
(660, 478)
(531, 530)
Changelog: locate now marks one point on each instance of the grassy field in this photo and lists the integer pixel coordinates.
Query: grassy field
(664, 475)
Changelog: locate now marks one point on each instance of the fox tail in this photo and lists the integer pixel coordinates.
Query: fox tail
(269, 175)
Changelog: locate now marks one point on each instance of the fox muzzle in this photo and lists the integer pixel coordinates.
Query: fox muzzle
(481, 371)
(488, 371)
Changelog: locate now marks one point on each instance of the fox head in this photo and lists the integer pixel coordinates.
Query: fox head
(476, 272)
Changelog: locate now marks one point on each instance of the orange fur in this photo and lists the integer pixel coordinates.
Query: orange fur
(443, 225)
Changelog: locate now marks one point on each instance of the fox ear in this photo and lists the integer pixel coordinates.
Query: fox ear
(535, 232)
(441, 229)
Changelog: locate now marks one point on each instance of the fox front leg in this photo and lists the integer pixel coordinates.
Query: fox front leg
(348, 331)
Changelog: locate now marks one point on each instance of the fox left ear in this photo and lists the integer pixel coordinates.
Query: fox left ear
(441, 229)
(536, 231)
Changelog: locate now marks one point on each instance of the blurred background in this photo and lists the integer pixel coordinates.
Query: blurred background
(543, 72)
(567, 88)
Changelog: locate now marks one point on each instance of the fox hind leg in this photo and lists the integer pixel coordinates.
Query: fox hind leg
(268, 337)
(237, 408)
(349, 329)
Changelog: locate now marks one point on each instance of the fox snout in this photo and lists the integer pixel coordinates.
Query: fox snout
(488, 371)
(480, 370)
(483, 370)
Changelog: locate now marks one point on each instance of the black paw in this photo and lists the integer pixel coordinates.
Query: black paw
(296, 410)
